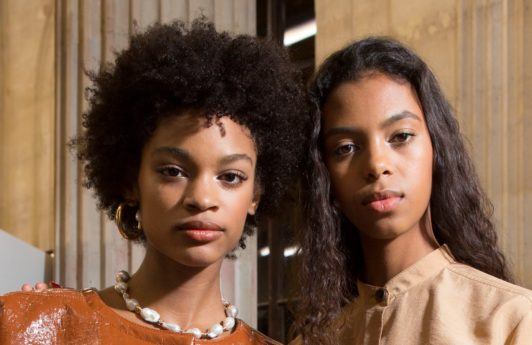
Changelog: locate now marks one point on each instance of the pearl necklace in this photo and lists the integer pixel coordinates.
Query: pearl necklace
(153, 317)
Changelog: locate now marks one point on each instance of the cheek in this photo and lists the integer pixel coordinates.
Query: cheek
(159, 203)
(418, 171)
(166, 195)
(343, 178)
(158, 200)
(236, 204)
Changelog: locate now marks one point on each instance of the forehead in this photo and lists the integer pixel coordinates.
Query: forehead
(370, 99)
(191, 131)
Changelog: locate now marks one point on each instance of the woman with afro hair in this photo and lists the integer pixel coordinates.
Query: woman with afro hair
(191, 136)
(400, 247)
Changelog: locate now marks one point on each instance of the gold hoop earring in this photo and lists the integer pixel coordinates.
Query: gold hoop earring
(128, 232)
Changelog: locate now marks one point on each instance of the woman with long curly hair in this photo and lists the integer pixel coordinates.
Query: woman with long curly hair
(191, 136)
(399, 245)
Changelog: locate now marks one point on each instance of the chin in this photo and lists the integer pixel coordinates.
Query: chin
(199, 257)
(378, 234)
(383, 230)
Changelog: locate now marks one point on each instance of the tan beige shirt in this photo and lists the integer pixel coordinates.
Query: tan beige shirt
(439, 301)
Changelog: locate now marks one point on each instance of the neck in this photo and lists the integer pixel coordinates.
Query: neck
(188, 296)
(384, 259)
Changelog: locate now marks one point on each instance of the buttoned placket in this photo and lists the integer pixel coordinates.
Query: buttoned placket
(376, 302)
(375, 316)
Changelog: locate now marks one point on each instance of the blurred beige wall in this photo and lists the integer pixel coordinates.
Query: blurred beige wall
(27, 120)
(480, 52)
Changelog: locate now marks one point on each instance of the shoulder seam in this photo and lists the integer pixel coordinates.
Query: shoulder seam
(493, 284)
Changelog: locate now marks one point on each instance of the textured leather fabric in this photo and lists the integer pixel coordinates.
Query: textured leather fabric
(64, 316)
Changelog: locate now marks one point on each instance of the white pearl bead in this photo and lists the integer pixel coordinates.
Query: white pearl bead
(121, 287)
(149, 315)
(172, 327)
(215, 331)
(195, 332)
(229, 323)
(231, 311)
(131, 304)
(122, 276)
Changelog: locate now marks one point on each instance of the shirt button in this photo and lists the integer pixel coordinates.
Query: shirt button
(381, 295)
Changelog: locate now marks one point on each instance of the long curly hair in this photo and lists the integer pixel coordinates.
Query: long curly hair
(171, 68)
(461, 212)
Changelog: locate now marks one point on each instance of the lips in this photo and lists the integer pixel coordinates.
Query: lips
(200, 231)
(382, 201)
(199, 225)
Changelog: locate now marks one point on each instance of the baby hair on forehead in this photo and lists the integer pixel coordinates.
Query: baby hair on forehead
(218, 123)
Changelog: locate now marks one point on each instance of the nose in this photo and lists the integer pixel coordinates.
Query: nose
(200, 195)
(377, 162)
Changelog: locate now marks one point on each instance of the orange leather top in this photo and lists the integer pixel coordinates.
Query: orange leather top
(64, 316)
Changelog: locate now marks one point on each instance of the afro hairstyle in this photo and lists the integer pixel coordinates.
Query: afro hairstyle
(171, 68)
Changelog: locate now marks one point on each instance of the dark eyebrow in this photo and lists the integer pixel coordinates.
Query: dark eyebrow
(185, 155)
(405, 114)
(340, 130)
(176, 152)
(352, 131)
(235, 157)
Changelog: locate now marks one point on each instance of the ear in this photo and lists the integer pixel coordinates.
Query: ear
(255, 202)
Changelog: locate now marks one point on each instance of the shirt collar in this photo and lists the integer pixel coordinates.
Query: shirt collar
(427, 267)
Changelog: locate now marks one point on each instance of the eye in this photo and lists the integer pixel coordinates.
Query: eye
(172, 171)
(345, 149)
(233, 178)
(402, 137)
